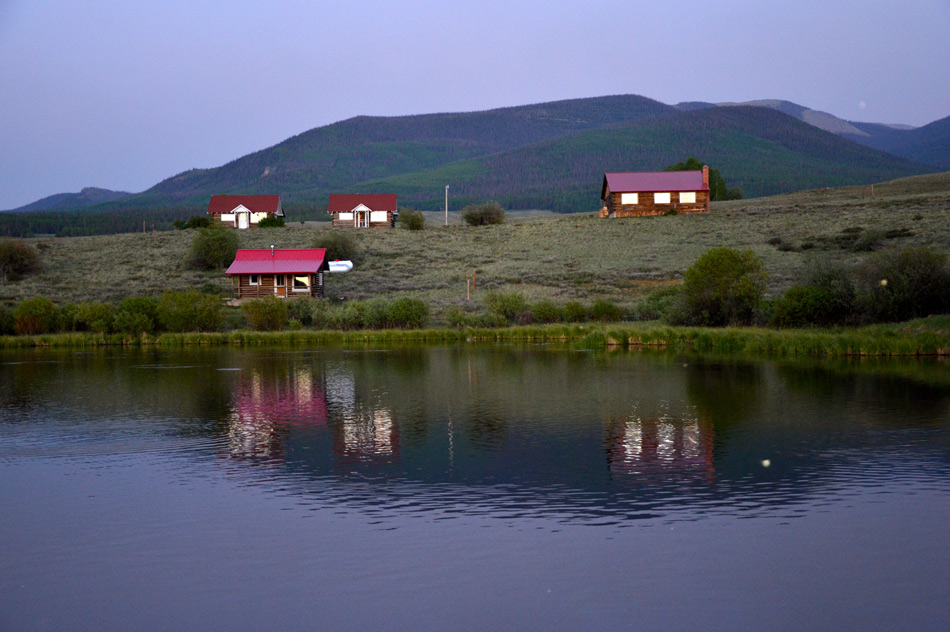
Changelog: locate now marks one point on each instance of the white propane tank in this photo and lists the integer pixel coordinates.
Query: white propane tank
(341, 266)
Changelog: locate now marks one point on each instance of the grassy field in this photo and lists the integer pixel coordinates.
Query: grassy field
(561, 257)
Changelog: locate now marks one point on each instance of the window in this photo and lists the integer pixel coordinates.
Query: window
(302, 282)
(279, 280)
(255, 279)
(661, 198)
(378, 216)
(629, 198)
(688, 197)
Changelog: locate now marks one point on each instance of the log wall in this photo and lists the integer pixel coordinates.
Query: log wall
(646, 205)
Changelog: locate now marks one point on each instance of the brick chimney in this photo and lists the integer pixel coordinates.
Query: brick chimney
(705, 176)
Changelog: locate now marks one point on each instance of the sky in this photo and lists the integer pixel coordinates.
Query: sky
(123, 94)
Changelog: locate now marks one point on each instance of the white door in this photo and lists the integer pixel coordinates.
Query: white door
(243, 220)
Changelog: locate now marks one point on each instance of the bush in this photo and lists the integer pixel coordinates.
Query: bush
(723, 287)
(657, 304)
(301, 309)
(196, 221)
(410, 313)
(800, 306)
(605, 311)
(575, 312)
(95, 316)
(266, 314)
(271, 221)
(899, 285)
(483, 214)
(16, 259)
(35, 316)
(6, 322)
(188, 311)
(506, 304)
(213, 249)
(340, 244)
(136, 315)
(547, 312)
(411, 219)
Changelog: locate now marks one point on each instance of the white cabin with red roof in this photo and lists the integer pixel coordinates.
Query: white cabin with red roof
(638, 193)
(243, 211)
(372, 210)
(284, 273)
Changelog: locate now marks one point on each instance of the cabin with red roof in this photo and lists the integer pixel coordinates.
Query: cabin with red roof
(373, 210)
(243, 211)
(284, 273)
(638, 193)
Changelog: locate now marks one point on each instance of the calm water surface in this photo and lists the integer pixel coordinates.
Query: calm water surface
(503, 488)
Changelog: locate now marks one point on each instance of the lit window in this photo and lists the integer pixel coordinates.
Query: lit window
(688, 197)
(661, 198)
(629, 198)
(301, 282)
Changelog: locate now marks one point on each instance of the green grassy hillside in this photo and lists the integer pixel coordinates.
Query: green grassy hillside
(561, 257)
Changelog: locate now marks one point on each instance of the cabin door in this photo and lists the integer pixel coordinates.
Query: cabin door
(243, 220)
(362, 219)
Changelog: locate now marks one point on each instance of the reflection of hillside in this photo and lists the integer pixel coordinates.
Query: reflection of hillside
(266, 406)
(660, 447)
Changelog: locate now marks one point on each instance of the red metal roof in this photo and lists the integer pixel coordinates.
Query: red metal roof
(340, 203)
(284, 261)
(255, 203)
(653, 181)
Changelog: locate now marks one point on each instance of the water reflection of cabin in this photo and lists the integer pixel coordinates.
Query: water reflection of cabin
(278, 272)
(660, 446)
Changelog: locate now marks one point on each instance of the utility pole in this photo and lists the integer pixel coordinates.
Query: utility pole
(446, 205)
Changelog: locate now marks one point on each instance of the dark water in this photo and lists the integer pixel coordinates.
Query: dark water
(524, 488)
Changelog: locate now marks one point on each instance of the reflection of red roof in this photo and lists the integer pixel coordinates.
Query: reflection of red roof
(653, 181)
(255, 203)
(373, 201)
(284, 261)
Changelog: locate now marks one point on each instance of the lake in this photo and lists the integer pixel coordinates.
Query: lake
(470, 488)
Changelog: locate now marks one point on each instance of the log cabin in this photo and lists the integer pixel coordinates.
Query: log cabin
(374, 210)
(638, 193)
(284, 273)
(243, 211)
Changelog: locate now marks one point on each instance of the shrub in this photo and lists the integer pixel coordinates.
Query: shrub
(899, 285)
(411, 219)
(605, 311)
(136, 315)
(801, 305)
(35, 316)
(67, 317)
(410, 313)
(95, 316)
(505, 304)
(657, 304)
(6, 322)
(575, 312)
(16, 259)
(340, 244)
(271, 221)
(213, 248)
(483, 214)
(266, 314)
(724, 287)
(301, 309)
(188, 311)
(547, 312)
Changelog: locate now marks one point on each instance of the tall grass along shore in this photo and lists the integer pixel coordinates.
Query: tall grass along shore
(922, 337)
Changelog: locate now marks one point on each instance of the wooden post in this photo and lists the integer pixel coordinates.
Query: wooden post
(468, 290)
(474, 280)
